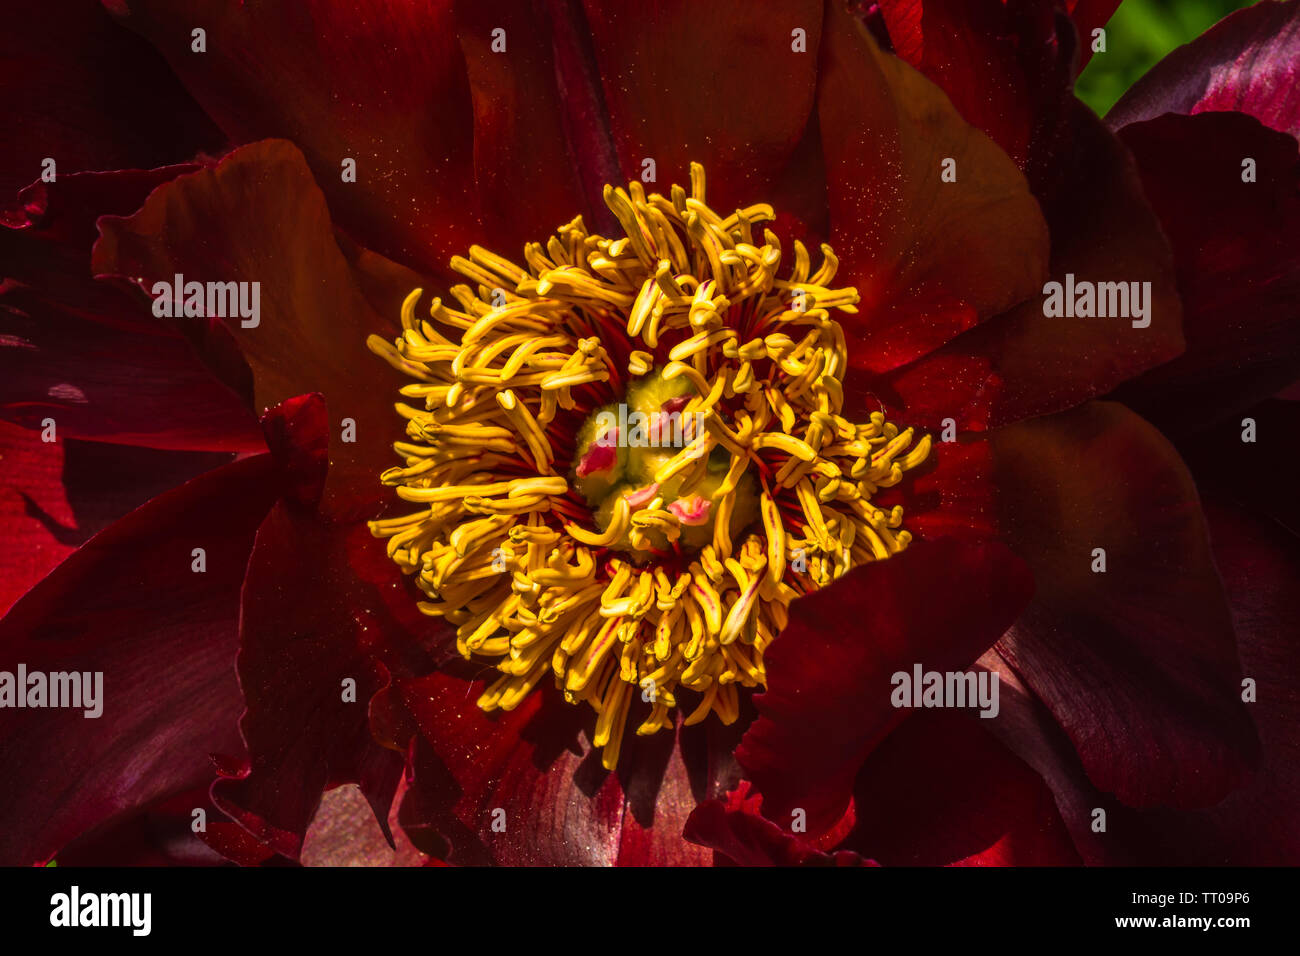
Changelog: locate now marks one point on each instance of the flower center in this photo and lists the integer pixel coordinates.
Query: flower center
(629, 458)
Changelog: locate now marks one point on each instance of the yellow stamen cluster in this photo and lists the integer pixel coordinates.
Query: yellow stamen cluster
(503, 546)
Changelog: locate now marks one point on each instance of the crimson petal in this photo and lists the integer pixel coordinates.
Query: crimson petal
(655, 83)
(940, 604)
(930, 259)
(1023, 363)
(129, 604)
(942, 790)
(736, 829)
(33, 507)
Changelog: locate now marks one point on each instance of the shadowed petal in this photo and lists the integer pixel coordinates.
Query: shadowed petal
(1138, 663)
(381, 82)
(940, 790)
(939, 604)
(1237, 247)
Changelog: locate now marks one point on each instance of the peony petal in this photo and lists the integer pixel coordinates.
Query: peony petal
(33, 508)
(930, 259)
(1006, 67)
(939, 604)
(1138, 663)
(84, 92)
(736, 829)
(1023, 363)
(941, 790)
(523, 788)
(1237, 247)
(524, 171)
(710, 83)
(382, 83)
(1248, 63)
(259, 217)
(87, 354)
(129, 604)
(310, 634)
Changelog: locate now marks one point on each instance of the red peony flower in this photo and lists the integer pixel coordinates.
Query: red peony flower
(670, 508)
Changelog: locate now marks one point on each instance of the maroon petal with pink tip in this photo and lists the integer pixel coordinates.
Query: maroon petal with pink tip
(525, 788)
(940, 604)
(1138, 663)
(1248, 63)
(130, 604)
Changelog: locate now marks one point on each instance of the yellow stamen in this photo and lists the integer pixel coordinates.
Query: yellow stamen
(767, 496)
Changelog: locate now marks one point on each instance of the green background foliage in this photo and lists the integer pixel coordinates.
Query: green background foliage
(1138, 36)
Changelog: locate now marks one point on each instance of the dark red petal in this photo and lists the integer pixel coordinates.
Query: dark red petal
(942, 790)
(939, 604)
(86, 93)
(161, 834)
(259, 217)
(310, 633)
(33, 508)
(530, 771)
(1260, 824)
(523, 169)
(382, 82)
(1024, 363)
(1006, 67)
(128, 603)
(1138, 663)
(711, 83)
(1237, 248)
(524, 770)
(736, 828)
(1264, 470)
(1248, 63)
(930, 259)
(87, 354)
